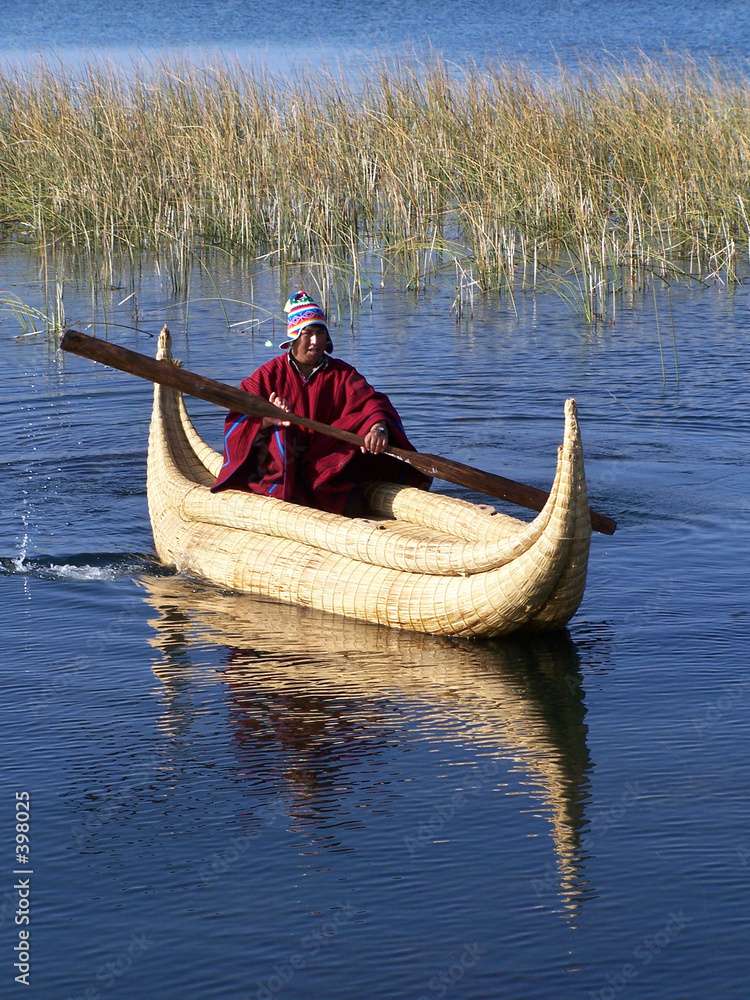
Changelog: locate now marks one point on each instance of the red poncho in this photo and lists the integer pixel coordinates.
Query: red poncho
(307, 468)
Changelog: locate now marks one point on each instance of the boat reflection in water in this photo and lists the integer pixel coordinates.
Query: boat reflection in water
(312, 694)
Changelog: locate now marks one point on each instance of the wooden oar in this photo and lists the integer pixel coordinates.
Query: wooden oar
(167, 373)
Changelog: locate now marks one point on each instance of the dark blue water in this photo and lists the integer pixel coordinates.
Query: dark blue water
(350, 33)
(234, 799)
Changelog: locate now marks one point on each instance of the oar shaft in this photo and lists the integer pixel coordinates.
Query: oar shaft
(172, 375)
(167, 373)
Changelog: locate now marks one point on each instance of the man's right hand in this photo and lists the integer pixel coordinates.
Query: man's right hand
(275, 421)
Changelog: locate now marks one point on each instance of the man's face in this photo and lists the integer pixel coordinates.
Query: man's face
(310, 346)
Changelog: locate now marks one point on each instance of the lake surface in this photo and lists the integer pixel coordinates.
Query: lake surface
(237, 799)
(350, 34)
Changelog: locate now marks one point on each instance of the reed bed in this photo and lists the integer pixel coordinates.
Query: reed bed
(589, 185)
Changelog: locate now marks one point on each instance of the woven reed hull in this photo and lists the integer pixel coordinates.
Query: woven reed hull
(434, 564)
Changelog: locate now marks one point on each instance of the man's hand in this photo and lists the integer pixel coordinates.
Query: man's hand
(273, 421)
(376, 439)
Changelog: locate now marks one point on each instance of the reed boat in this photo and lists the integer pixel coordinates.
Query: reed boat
(419, 561)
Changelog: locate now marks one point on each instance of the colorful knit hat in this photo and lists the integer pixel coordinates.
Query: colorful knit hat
(302, 312)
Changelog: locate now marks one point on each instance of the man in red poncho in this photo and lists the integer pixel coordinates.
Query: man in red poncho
(276, 459)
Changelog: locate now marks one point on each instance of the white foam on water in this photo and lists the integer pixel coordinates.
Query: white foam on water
(66, 571)
(70, 571)
(20, 559)
(19, 563)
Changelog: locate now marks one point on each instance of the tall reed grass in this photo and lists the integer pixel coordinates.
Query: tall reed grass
(587, 185)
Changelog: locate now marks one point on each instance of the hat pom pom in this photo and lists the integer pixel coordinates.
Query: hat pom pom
(300, 298)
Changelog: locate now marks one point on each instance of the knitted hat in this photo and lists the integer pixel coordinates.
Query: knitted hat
(302, 312)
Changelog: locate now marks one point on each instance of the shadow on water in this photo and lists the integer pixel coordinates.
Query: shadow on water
(311, 695)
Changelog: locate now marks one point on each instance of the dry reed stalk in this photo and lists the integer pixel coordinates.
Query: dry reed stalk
(621, 171)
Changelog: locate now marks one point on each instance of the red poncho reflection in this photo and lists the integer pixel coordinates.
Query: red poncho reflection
(307, 468)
